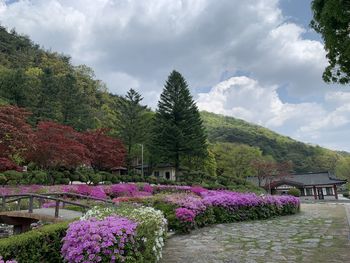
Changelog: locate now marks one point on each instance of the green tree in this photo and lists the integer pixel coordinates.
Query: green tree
(132, 121)
(331, 18)
(235, 160)
(342, 169)
(178, 129)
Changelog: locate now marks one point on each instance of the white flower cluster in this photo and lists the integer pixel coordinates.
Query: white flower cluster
(98, 213)
(147, 216)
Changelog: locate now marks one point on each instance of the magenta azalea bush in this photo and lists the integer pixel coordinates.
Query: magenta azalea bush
(185, 215)
(109, 240)
(7, 261)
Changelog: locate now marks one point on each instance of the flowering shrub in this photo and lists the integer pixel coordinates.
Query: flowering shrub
(124, 190)
(188, 201)
(98, 192)
(185, 215)
(151, 229)
(93, 240)
(7, 261)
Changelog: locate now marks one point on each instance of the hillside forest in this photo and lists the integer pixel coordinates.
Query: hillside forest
(49, 96)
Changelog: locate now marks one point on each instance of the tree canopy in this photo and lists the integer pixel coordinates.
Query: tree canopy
(331, 18)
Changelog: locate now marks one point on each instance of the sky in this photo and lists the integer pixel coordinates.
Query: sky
(257, 60)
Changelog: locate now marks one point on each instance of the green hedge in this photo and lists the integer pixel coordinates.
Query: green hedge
(42, 245)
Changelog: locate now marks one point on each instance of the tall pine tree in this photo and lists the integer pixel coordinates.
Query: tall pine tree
(178, 129)
(132, 122)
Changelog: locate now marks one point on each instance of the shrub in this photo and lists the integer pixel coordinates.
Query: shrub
(39, 245)
(346, 194)
(108, 240)
(151, 228)
(294, 192)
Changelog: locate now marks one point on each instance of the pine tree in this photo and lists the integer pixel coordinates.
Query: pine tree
(132, 121)
(178, 129)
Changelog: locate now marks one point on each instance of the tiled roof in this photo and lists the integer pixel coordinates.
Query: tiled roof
(319, 178)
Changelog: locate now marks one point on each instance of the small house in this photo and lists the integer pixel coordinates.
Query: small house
(164, 171)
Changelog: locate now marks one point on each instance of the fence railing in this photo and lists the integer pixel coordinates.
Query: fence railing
(7, 199)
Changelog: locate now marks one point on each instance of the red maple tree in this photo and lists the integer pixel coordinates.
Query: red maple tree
(15, 133)
(268, 172)
(6, 164)
(56, 145)
(106, 152)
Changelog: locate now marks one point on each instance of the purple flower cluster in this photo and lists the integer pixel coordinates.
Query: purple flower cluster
(7, 261)
(281, 200)
(188, 201)
(231, 200)
(107, 240)
(98, 192)
(185, 215)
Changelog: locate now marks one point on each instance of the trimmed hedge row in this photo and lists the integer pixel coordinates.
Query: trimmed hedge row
(35, 246)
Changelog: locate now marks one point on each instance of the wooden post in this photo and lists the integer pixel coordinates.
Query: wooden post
(57, 207)
(30, 204)
(19, 204)
(315, 192)
(3, 202)
(335, 191)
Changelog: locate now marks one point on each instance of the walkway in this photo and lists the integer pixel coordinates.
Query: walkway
(318, 234)
(45, 214)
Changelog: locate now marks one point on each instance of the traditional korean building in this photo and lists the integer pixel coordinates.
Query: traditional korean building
(322, 185)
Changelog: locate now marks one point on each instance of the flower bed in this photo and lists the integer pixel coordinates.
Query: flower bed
(134, 230)
(187, 211)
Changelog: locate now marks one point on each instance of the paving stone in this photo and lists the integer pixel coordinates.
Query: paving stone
(319, 231)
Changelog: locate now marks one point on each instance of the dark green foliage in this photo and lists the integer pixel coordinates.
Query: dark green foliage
(178, 130)
(49, 86)
(294, 192)
(332, 20)
(11, 177)
(133, 120)
(39, 245)
(169, 213)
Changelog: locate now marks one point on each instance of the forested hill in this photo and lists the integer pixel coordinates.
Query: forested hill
(47, 84)
(306, 158)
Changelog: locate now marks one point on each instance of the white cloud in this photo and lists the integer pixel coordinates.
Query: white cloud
(245, 98)
(135, 44)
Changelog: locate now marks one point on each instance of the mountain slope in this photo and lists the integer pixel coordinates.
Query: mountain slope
(306, 158)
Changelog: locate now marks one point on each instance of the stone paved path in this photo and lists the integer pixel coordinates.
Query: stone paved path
(63, 213)
(320, 233)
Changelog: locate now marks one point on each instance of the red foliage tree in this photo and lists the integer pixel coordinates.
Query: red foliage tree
(6, 164)
(268, 172)
(106, 152)
(56, 145)
(15, 133)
